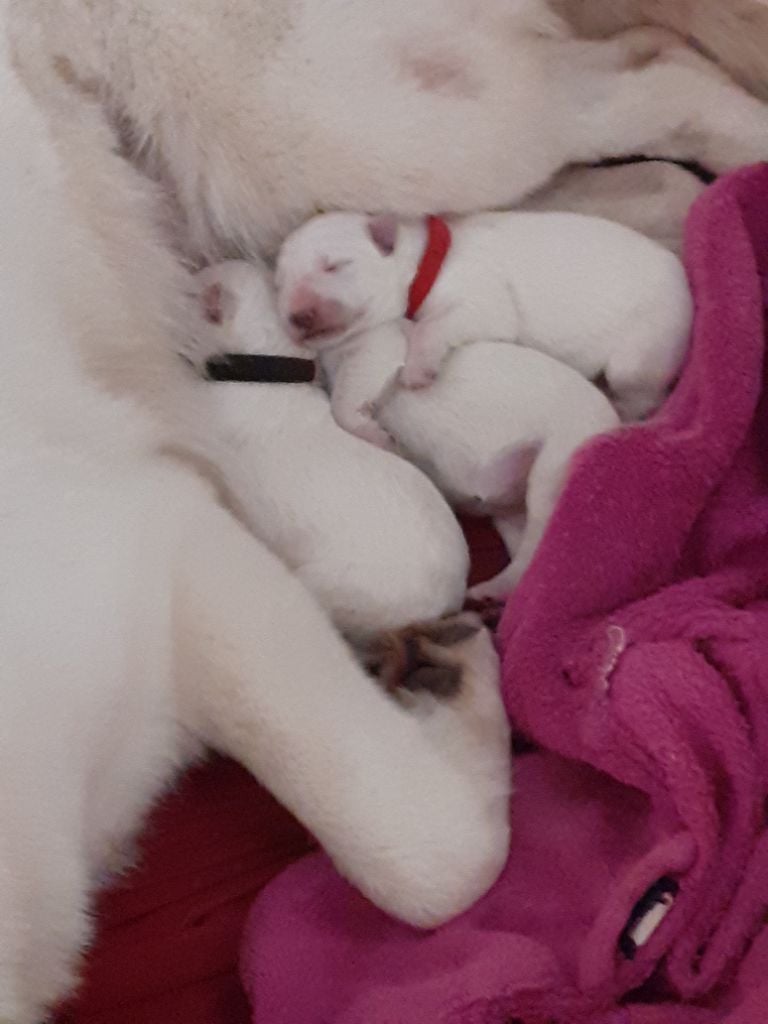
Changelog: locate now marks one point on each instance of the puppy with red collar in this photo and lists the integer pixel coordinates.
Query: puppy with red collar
(588, 292)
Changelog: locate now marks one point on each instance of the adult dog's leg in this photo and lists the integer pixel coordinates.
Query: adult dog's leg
(410, 803)
(642, 93)
(734, 33)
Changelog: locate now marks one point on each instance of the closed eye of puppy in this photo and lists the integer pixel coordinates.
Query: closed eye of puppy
(591, 293)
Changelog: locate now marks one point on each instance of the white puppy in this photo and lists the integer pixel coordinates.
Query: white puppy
(367, 533)
(496, 432)
(258, 112)
(140, 621)
(594, 294)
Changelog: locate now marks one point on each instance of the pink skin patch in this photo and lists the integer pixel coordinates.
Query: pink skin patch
(445, 73)
(212, 303)
(311, 317)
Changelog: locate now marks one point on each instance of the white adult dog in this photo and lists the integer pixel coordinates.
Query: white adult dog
(257, 112)
(732, 32)
(139, 621)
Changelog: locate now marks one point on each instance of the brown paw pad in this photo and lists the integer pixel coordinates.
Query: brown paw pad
(422, 658)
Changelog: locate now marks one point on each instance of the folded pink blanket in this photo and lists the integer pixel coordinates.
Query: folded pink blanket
(636, 658)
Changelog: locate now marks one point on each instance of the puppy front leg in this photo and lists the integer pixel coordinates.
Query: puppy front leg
(428, 348)
(354, 408)
(412, 807)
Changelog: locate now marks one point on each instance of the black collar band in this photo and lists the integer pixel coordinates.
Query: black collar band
(239, 367)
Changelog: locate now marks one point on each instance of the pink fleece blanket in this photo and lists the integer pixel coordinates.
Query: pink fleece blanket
(636, 658)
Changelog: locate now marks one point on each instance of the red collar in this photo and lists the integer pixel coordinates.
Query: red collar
(435, 252)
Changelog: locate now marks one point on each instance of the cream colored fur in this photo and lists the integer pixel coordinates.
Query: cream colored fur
(139, 622)
(254, 114)
(733, 32)
(138, 619)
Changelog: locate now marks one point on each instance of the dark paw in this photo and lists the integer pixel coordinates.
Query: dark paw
(421, 658)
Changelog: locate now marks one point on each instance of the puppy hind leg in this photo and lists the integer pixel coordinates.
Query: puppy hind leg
(501, 586)
(407, 804)
(511, 529)
(427, 351)
(639, 378)
(544, 486)
(502, 482)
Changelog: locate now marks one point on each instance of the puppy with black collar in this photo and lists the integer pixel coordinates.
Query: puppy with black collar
(367, 533)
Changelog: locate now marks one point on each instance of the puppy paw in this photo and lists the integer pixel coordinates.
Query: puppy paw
(368, 429)
(415, 376)
(493, 591)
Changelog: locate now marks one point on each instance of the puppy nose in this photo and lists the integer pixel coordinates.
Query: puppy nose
(304, 320)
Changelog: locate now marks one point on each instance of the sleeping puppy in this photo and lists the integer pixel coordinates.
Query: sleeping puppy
(591, 293)
(139, 621)
(368, 534)
(497, 431)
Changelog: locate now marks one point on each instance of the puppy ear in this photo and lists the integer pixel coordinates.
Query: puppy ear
(217, 302)
(383, 232)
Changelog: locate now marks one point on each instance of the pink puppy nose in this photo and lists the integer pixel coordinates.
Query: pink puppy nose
(304, 320)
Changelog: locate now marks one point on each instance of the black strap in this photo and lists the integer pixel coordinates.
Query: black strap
(240, 367)
(696, 169)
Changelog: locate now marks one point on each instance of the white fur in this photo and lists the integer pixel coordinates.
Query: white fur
(368, 534)
(258, 112)
(251, 116)
(139, 621)
(594, 294)
(497, 430)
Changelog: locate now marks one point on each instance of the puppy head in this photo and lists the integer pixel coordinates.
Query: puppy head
(336, 276)
(237, 304)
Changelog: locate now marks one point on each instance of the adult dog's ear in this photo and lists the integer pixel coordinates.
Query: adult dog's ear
(383, 232)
